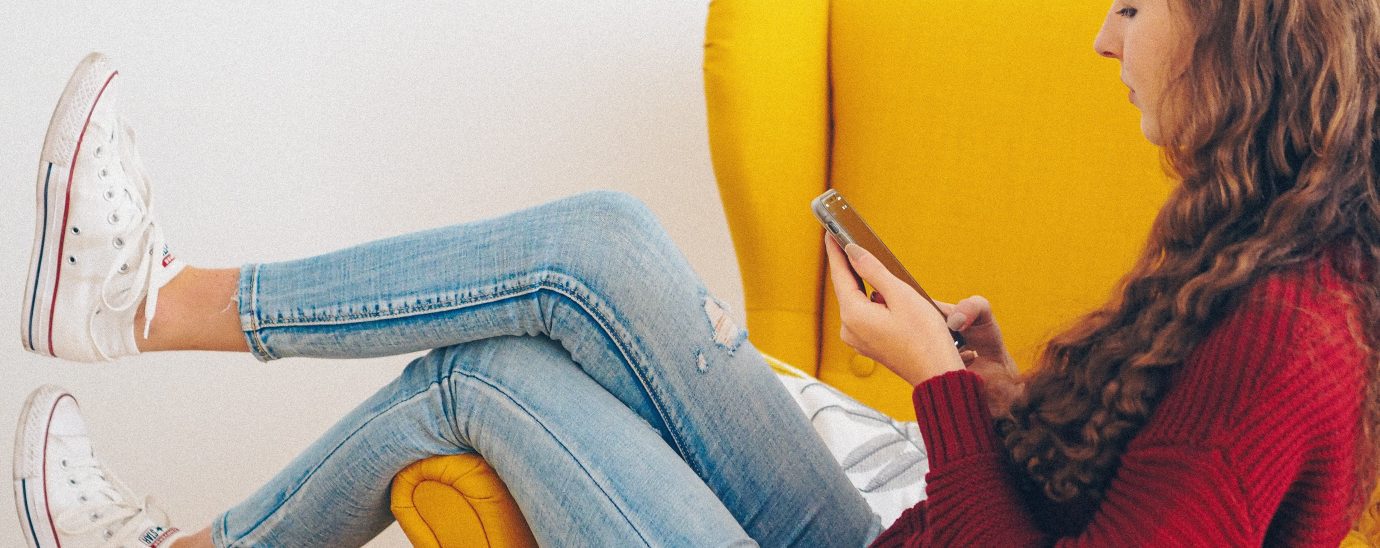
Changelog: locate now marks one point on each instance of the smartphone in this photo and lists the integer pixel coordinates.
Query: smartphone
(846, 226)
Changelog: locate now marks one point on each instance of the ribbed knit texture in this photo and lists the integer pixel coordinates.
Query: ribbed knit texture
(1254, 443)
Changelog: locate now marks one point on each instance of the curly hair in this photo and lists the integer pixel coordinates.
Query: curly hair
(1276, 143)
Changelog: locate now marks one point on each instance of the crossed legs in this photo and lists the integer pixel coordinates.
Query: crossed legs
(553, 328)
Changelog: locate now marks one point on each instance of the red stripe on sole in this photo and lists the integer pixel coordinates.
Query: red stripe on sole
(46, 504)
(66, 206)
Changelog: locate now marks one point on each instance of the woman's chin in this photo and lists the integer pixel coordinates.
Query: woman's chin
(1150, 131)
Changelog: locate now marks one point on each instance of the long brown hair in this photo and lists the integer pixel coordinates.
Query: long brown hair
(1276, 141)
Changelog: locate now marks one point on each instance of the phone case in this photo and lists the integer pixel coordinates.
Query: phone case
(846, 226)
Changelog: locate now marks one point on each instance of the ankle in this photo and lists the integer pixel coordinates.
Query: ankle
(202, 539)
(197, 310)
(170, 302)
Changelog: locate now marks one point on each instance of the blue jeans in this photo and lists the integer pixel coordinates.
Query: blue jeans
(574, 348)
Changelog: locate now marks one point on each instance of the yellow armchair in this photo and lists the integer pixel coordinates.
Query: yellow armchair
(985, 141)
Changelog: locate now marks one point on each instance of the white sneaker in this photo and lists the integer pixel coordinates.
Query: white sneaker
(64, 496)
(97, 251)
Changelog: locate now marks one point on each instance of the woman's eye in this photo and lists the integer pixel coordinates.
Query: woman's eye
(1127, 12)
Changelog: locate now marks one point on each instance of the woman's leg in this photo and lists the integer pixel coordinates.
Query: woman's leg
(594, 272)
(196, 311)
(597, 273)
(585, 470)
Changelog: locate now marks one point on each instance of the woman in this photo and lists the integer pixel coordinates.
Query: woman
(1227, 395)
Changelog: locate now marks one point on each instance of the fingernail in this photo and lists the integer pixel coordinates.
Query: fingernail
(956, 320)
(854, 251)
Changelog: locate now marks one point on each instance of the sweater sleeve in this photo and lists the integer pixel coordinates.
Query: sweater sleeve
(972, 500)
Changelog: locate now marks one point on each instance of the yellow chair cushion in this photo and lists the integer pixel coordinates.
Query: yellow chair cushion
(457, 500)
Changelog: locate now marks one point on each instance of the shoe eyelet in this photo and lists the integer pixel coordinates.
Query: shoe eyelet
(114, 218)
(124, 268)
(103, 173)
(71, 259)
(108, 534)
(71, 481)
(63, 463)
(82, 498)
(110, 195)
(100, 151)
(118, 243)
(95, 516)
(76, 230)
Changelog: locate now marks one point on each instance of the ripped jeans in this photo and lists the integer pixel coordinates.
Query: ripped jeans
(574, 348)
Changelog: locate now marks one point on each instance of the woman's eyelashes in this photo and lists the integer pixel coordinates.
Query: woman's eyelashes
(1127, 12)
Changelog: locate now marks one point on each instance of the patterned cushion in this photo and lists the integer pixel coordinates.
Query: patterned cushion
(883, 457)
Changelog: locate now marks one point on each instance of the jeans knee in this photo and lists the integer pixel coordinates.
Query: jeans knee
(605, 227)
(619, 213)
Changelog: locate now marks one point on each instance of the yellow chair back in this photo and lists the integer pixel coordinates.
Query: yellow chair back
(985, 141)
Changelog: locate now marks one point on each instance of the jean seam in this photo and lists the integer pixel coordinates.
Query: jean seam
(250, 323)
(219, 533)
(445, 304)
(496, 387)
(254, 528)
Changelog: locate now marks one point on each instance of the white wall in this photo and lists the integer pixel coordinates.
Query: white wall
(281, 129)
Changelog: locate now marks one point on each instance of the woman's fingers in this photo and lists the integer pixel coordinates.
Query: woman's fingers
(957, 321)
(874, 272)
(971, 311)
(841, 275)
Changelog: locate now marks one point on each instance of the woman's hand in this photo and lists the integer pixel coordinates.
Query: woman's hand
(984, 352)
(897, 327)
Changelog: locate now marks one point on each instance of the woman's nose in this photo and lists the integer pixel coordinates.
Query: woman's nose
(1105, 46)
(1108, 41)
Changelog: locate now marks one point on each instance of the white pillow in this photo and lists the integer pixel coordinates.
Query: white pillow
(883, 457)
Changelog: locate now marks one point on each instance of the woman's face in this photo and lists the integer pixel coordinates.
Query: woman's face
(1148, 40)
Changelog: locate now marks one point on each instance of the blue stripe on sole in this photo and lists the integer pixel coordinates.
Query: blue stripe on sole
(24, 486)
(42, 243)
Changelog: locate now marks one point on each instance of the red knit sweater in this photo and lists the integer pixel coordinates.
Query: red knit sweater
(1254, 443)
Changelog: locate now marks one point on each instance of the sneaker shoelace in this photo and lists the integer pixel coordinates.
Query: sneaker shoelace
(104, 504)
(133, 210)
